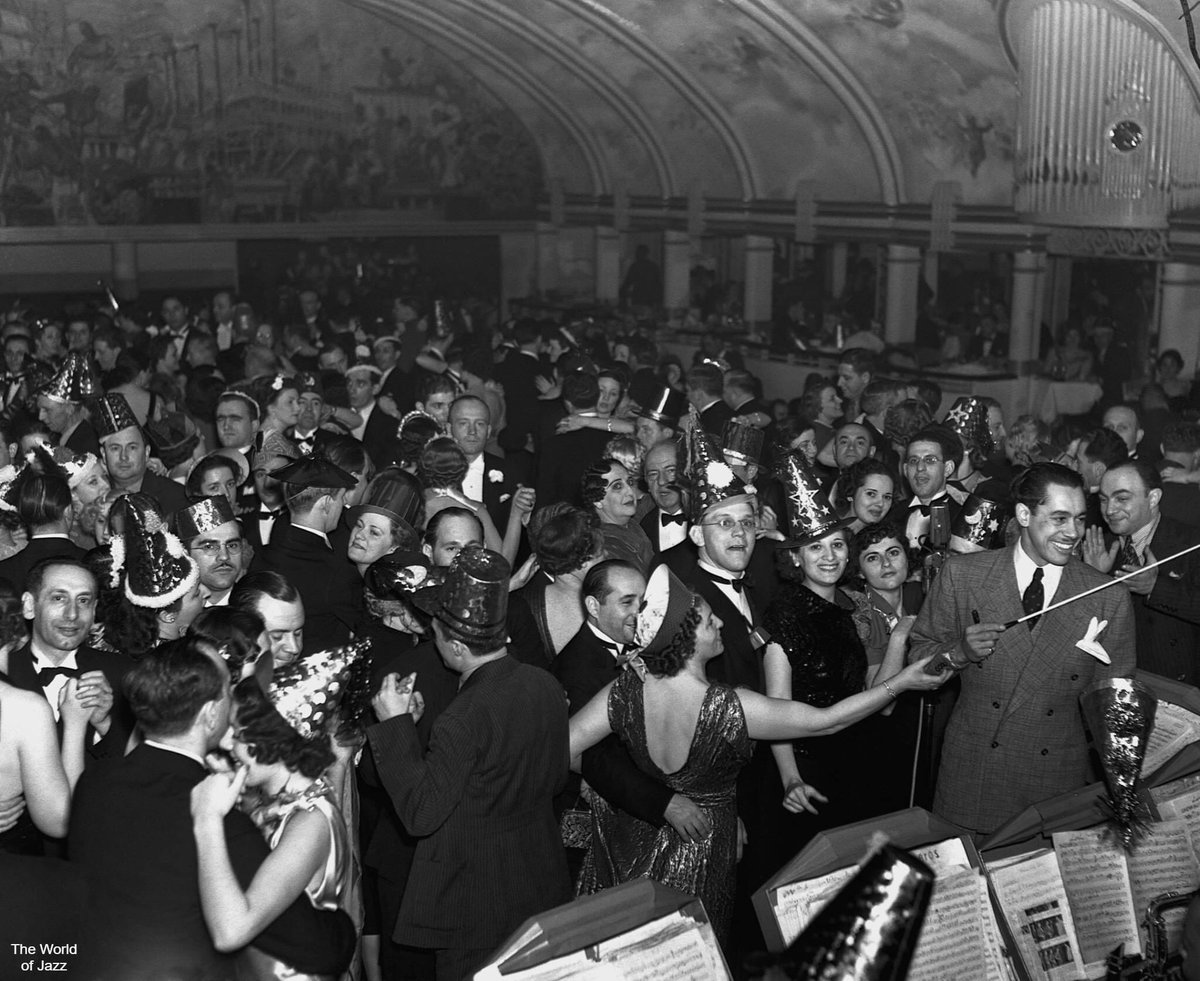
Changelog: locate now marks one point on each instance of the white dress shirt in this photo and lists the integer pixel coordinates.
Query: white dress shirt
(606, 640)
(53, 689)
(473, 481)
(1024, 566)
(738, 599)
(669, 534)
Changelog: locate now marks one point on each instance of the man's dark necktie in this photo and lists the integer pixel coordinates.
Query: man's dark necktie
(672, 519)
(1129, 556)
(46, 675)
(1034, 597)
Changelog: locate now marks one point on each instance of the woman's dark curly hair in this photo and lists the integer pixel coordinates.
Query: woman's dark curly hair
(269, 739)
(594, 483)
(670, 660)
(788, 431)
(441, 464)
(414, 435)
(790, 571)
(856, 475)
(565, 539)
(873, 535)
(234, 632)
(200, 472)
(133, 629)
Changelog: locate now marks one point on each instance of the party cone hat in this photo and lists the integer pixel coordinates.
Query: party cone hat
(157, 569)
(710, 481)
(307, 691)
(1119, 713)
(75, 381)
(968, 418)
(869, 930)
(810, 515)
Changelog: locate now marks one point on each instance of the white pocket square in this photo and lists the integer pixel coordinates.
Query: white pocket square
(1090, 645)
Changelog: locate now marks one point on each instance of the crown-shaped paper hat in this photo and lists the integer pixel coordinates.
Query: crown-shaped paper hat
(810, 515)
(709, 480)
(664, 405)
(968, 417)
(202, 517)
(473, 596)
(742, 441)
(157, 569)
(75, 380)
(112, 414)
(979, 526)
(307, 691)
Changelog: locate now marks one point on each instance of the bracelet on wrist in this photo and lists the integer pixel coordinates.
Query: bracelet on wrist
(887, 686)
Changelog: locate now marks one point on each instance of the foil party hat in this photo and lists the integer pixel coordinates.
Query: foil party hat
(979, 526)
(968, 417)
(157, 569)
(75, 380)
(1119, 713)
(869, 930)
(307, 691)
(742, 442)
(710, 481)
(810, 515)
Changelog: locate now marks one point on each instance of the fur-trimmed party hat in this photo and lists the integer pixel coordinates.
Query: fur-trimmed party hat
(710, 481)
(810, 515)
(75, 381)
(112, 414)
(968, 417)
(307, 691)
(979, 526)
(157, 569)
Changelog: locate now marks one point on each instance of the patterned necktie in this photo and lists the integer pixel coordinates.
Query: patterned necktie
(1129, 556)
(1034, 597)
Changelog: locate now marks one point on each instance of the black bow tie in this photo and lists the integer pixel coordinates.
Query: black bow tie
(46, 675)
(739, 585)
(672, 519)
(264, 515)
(612, 645)
(918, 506)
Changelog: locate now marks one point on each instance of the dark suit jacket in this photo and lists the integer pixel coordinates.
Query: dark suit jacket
(517, 373)
(741, 663)
(84, 439)
(379, 438)
(131, 832)
(481, 798)
(327, 581)
(713, 418)
(562, 461)
(584, 667)
(1180, 502)
(21, 673)
(170, 495)
(652, 525)
(493, 490)
(1167, 622)
(1016, 735)
(16, 567)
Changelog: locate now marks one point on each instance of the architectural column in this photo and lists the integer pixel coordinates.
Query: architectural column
(1028, 296)
(1179, 312)
(759, 263)
(835, 274)
(608, 265)
(125, 270)
(547, 256)
(518, 267)
(1058, 291)
(677, 269)
(903, 277)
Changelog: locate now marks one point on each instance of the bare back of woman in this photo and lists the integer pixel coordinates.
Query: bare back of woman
(672, 709)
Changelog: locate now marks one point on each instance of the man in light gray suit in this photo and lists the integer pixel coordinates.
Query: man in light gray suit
(1017, 736)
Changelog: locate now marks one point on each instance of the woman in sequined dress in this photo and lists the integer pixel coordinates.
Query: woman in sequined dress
(695, 736)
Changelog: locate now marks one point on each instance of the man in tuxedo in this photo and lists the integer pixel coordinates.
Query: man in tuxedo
(705, 390)
(44, 507)
(482, 795)
(307, 433)
(329, 585)
(60, 599)
(665, 524)
(612, 595)
(566, 456)
(126, 454)
(394, 384)
(269, 508)
(131, 833)
(1016, 736)
(489, 478)
(1166, 599)
(930, 459)
(277, 604)
(377, 431)
(657, 418)
(518, 373)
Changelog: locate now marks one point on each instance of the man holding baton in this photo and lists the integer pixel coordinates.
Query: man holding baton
(1016, 735)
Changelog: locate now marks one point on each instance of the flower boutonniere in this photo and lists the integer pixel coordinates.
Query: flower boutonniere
(496, 476)
(1090, 645)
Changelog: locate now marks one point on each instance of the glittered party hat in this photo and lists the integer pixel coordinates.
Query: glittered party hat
(710, 481)
(662, 404)
(473, 597)
(310, 381)
(202, 517)
(398, 575)
(664, 605)
(810, 515)
(76, 465)
(75, 381)
(157, 569)
(8, 488)
(306, 692)
(742, 442)
(869, 930)
(174, 438)
(112, 414)
(979, 526)
(1119, 713)
(968, 418)
(395, 494)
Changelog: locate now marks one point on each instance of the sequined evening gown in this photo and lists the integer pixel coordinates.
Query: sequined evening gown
(625, 848)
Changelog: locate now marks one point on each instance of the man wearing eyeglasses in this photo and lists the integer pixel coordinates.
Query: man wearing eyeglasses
(932, 456)
(213, 538)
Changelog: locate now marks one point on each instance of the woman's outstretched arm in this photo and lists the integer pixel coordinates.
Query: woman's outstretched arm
(589, 725)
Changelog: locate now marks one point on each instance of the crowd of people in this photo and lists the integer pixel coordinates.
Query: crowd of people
(332, 648)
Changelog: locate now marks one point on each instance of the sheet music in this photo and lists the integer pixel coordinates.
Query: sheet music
(1163, 861)
(1174, 728)
(682, 950)
(1180, 801)
(1035, 904)
(952, 944)
(944, 856)
(1096, 877)
(1000, 958)
(798, 902)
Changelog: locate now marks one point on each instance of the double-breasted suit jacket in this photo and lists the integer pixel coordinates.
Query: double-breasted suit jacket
(1017, 735)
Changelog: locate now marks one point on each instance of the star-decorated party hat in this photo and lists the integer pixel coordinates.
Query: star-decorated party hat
(75, 381)
(112, 414)
(708, 479)
(157, 569)
(472, 599)
(979, 526)
(968, 418)
(810, 515)
(742, 442)
(308, 691)
(202, 517)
